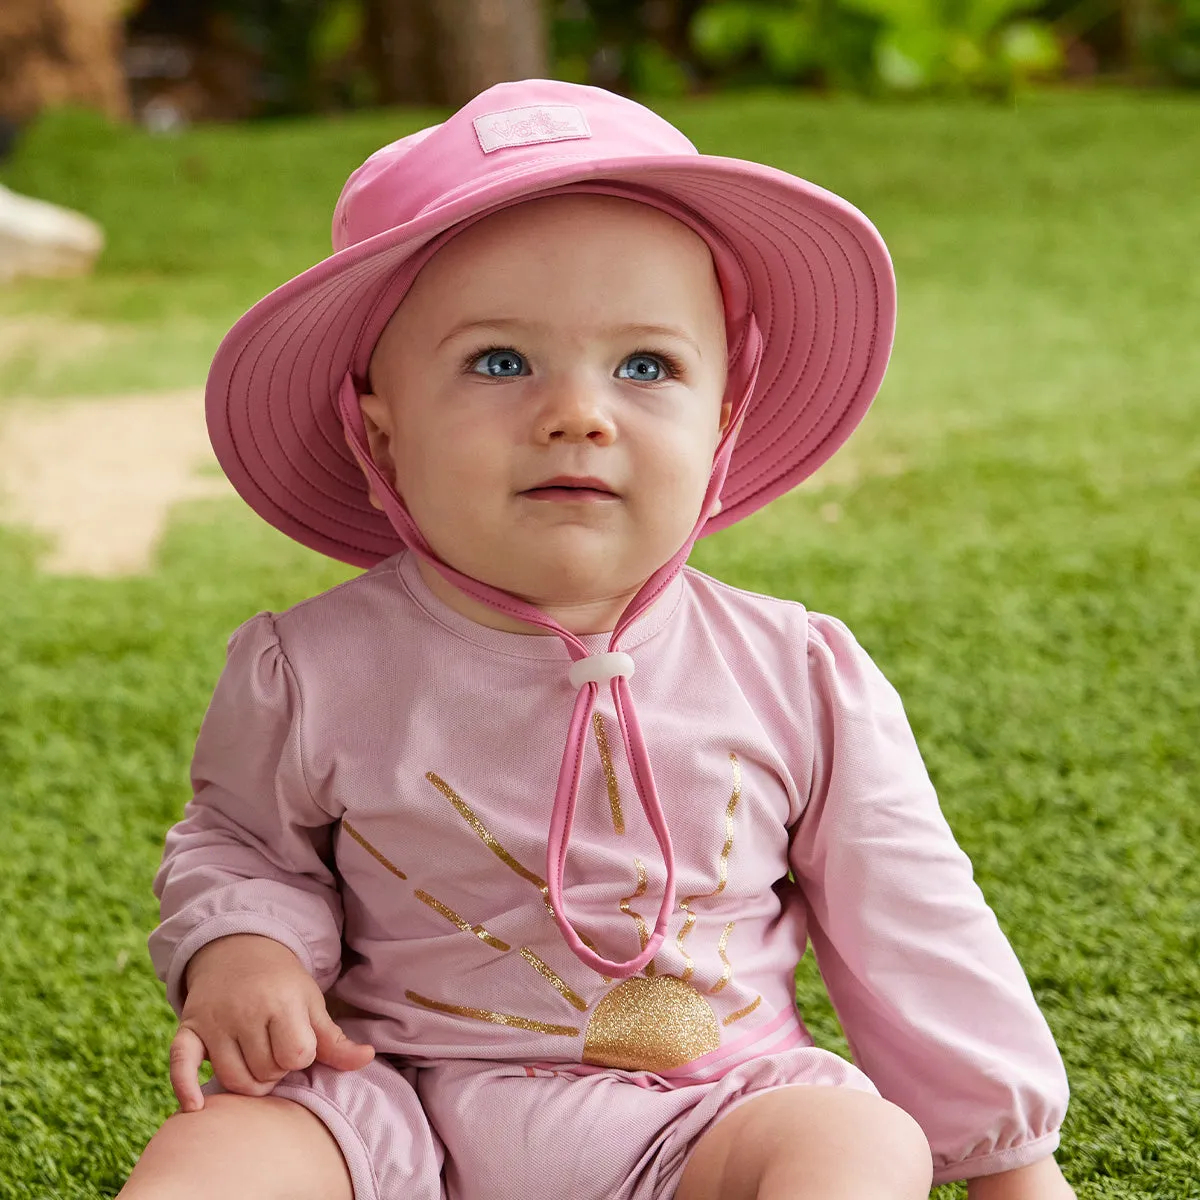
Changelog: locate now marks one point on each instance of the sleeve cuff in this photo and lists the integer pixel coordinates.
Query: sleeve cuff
(223, 925)
(996, 1161)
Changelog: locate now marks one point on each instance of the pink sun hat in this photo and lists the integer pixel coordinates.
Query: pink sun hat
(809, 301)
(810, 267)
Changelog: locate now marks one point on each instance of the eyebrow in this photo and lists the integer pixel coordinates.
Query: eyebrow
(672, 331)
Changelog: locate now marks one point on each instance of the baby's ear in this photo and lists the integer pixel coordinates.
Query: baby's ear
(377, 422)
(726, 414)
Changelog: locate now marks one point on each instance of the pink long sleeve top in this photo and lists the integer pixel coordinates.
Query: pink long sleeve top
(372, 785)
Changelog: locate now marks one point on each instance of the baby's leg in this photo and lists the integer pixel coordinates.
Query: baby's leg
(810, 1143)
(235, 1147)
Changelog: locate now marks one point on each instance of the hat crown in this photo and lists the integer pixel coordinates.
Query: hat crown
(506, 130)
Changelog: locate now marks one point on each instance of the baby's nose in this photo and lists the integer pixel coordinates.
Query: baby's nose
(576, 414)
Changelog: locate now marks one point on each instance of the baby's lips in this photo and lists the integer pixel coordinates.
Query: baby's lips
(589, 483)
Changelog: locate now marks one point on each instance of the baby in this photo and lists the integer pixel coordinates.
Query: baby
(542, 817)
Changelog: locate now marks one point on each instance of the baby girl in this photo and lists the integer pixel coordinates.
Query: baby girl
(502, 854)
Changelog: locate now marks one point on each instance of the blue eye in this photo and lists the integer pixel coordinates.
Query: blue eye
(645, 368)
(500, 364)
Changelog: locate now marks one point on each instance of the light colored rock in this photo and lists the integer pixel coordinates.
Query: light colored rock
(101, 476)
(39, 238)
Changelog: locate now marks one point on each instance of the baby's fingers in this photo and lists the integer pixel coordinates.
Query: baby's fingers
(293, 1042)
(187, 1054)
(258, 1055)
(334, 1048)
(230, 1066)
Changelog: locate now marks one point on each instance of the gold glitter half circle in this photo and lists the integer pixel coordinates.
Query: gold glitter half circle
(650, 1024)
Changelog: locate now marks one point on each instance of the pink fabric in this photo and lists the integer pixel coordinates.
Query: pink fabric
(468, 1130)
(372, 732)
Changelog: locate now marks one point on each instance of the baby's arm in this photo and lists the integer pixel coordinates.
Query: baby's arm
(251, 915)
(932, 998)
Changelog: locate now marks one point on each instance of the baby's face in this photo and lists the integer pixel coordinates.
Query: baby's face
(548, 397)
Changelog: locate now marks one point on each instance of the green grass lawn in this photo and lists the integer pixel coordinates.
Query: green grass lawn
(1016, 545)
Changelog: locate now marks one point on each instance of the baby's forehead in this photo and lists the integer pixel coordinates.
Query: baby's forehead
(574, 229)
(576, 249)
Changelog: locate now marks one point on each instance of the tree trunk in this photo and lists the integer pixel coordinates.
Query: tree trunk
(56, 52)
(677, 33)
(398, 42)
(446, 51)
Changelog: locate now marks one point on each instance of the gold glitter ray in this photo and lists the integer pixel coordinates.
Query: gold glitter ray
(727, 974)
(742, 1012)
(481, 830)
(610, 774)
(643, 935)
(493, 1018)
(547, 973)
(722, 873)
(375, 854)
(454, 919)
(587, 941)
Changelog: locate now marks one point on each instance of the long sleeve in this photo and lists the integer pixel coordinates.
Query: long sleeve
(933, 1001)
(252, 852)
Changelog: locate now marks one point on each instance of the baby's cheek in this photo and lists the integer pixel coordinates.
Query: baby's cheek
(444, 480)
(675, 486)
(660, 527)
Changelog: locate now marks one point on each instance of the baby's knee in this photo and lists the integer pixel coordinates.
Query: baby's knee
(899, 1140)
(241, 1146)
(839, 1139)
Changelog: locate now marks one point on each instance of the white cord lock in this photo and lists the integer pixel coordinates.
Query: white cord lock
(600, 668)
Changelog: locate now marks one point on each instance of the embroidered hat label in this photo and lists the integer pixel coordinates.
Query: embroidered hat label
(530, 125)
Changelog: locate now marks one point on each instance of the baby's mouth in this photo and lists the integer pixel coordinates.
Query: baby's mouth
(569, 489)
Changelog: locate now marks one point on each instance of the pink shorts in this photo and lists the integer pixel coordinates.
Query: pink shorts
(473, 1130)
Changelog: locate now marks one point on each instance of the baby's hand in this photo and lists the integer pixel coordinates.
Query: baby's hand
(255, 1013)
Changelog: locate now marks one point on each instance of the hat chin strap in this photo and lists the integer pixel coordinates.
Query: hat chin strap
(615, 670)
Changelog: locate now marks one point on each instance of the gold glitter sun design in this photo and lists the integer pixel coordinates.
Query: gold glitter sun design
(650, 1022)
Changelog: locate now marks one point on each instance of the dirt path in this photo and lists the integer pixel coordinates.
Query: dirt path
(100, 476)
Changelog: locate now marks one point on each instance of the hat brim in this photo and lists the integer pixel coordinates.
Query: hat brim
(821, 288)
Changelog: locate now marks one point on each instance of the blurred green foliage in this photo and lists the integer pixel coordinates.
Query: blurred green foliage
(1175, 44)
(310, 54)
(790, 40)
(889, 45)
(919, 45)
(662, 47)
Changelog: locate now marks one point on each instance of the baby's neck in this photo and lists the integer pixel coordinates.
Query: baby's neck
(584, 617)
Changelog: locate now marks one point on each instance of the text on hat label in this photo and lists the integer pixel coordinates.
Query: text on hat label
(530, 125)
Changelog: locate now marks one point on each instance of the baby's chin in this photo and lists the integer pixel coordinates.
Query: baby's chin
(556, 583)
(552, 577)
